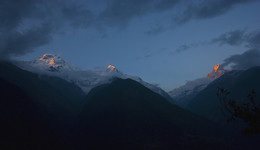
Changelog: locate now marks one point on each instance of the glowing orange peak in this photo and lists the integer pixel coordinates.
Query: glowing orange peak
(51, 62)
(43, 56)
(111, 67)
(215, 68)
(215, 73)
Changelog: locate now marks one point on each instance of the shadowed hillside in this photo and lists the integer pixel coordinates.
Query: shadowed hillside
(126, 115)
(23, 124)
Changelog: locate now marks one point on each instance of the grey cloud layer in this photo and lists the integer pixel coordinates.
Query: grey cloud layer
(51, 16)
(236, 37)
(239, 37)
(18, 43)
(207, 9)
(120, 12)
(243, 61)
(18, 37)
(248, 59)
(28, 24)
(233, 38)
(200, 10)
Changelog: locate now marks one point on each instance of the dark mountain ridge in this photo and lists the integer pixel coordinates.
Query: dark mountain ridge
(23, 124)
(50, 93)
(239, 83)
(121, 115)
(127, 115)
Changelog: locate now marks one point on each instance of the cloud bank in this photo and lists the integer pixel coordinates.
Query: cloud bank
(28, 24)
(199, 10)
(246, 60)
(237, 38)
(243, 61)
(206, 9)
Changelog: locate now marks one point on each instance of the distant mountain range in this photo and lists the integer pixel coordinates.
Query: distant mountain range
(199, 96)
(54, 65)
(43, 109)
(128, 115)
(184, 94)
(43, 112)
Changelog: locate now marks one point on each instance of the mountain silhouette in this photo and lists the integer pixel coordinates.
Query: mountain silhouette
(127, 115)
(43, 112)
(239, 83)
(23, 124)
(53, 94)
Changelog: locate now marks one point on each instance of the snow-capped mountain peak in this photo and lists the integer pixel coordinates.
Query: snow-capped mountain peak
(217, 72)
(51, 62)
(112, 70)
(183, 94)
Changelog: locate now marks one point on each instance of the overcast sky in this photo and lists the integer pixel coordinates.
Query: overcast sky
(165, 42)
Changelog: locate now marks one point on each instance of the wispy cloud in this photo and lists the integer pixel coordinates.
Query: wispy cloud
(199, 10)
(207, 9)
(237, 37)
(153, 53)
(186, 47)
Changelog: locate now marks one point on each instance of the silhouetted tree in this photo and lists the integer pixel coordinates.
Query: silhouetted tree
(248, 111)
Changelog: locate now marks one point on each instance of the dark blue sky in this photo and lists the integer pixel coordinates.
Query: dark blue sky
(166, 42)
